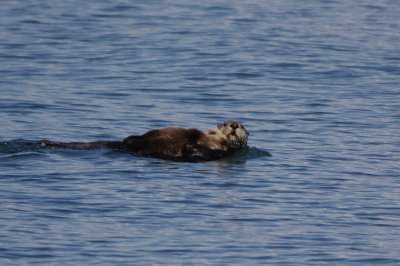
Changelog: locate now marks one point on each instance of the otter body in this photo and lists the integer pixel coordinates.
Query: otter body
(174, 143)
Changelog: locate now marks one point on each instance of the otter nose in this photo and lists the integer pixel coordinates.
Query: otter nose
(234, 125)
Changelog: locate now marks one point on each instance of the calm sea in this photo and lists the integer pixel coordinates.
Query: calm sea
(317, 84)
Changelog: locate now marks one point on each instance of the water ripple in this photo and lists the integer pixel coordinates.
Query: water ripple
(316, 85)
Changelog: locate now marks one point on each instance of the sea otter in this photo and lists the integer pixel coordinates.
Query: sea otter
(173, 143)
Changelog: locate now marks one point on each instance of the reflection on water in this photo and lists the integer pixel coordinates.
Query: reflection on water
(21, 146)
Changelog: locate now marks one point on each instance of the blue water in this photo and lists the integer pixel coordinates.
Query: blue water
(316, 83)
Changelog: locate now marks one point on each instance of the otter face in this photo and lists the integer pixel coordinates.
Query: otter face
(236, 134)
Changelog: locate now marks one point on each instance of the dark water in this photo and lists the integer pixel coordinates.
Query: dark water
(317, 84)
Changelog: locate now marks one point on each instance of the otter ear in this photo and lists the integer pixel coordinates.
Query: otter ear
(222, 125)
(245, 130)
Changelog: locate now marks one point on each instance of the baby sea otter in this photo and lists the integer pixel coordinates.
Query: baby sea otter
(174, 143)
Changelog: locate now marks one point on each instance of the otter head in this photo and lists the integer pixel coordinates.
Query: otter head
(236, 134)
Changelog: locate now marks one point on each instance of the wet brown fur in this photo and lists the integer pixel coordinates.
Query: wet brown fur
(174, 143)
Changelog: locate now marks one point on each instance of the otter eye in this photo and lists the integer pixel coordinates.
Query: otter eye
(225, 124)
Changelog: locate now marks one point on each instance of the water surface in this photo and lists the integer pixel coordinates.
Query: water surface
(316, 83)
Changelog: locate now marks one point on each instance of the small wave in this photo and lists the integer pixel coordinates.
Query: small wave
(22, 147)
(18, 146)
(247, 154)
